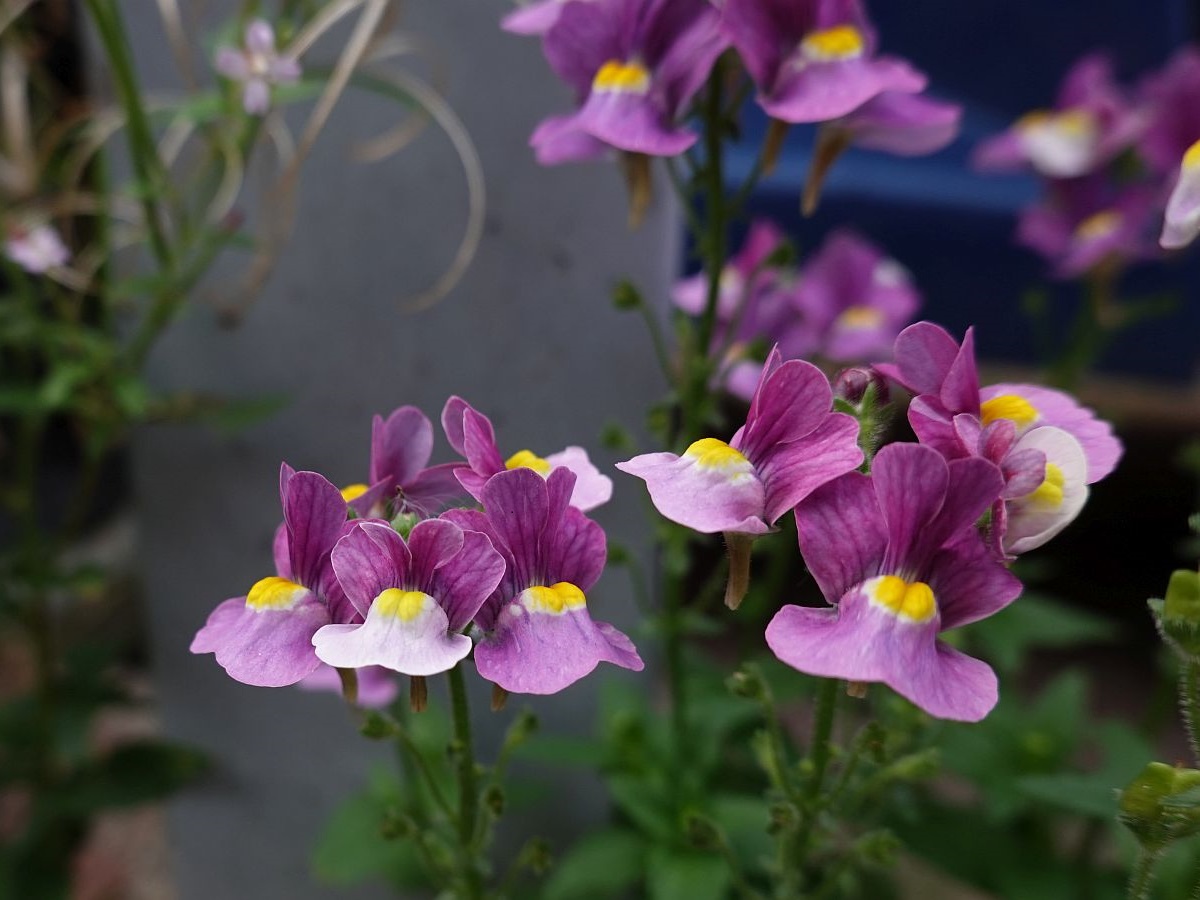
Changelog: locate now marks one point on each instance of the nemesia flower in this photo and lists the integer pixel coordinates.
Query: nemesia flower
(743, 276)
(471, 435)
(1182, 221)
(1171, 98)
(533, 18)
(257, 65)
(790, 445)
(813, 60)
(377, 686)
(37, 249)
(265, 637)
(415, 596)
(634, 65)
(900, 123)
(852, 301)
(1087, 222)
(401, 481)
(1029, 519)
(537, 634)
(1090, 125)
(945, 381)
(897, 557)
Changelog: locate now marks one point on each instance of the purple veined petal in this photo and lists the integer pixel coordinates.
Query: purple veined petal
(792, 471)
(683, 41)
(369, 559)
(281, 553)
(969, 431)
(232, 64)
(256, 97)
(969, 583)
(406, 631)
(1039, 515)
(532, 18)
(820, 91)
(910, 485)
(1050, 407)
(725, 495)
(466, 580)
(377, 686)
(260, 37)
(592, 489)
(473, 520)
(575, 550)
(974, 484)
(314, 513)
(584, 38)
(371, 500)
(433, 488)
(265, 648)
(766, 32)
(923, 355)
(743, 378)
(432, 543)
(452, 423)
(996, 440)
(904, 124)
(842, 534)
(532, 652)
(934, 426)
(793, 401)
(400, 445)
(860, 641)
(561, 139)
(1181, 223)
(479, 442)
(960, 390)
(772, 363)
(516, 502)
(634, 122)
(1024, 471)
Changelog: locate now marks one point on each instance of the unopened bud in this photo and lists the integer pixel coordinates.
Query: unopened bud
(702, 832)
(377, 727)
(748, 684)
(404, 523)
(625, 296)
(1178, 613)
(1161, 805)
(493, 800)
(853, 383)
(878, 847)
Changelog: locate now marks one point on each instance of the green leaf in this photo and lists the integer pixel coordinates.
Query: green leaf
(603, 864)
(1036, 621)
(673, 875)
(563, 750)
(131, 774)
(636, 798)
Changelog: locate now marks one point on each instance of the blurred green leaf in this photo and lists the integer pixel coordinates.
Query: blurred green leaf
(602, 864)
(131, 774)
(673, 875)
(1035, 622)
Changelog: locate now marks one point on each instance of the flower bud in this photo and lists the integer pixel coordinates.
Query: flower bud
(1178, 613)
(377, 727)
(1161, 805)
(747, 684)
(853, 383)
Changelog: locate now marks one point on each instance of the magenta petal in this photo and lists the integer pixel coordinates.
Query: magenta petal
(574, 550)
(533, 18)
(592, 489)
(517, 503)
(368, 560)
(969, 583)
(923, 354)
(842, 534)
(479, 444)
(232, 64)
(464, 582)
(635, 123)
(561, 139)
(904, 124)
(314, 512)
(820, 91)
(400, 445)
(377, 686)
(432, 544)
(793, 400)
(960, 389)
(269, 648)
(910, 484)
(706, 499)
(536, 653)
(794, 470)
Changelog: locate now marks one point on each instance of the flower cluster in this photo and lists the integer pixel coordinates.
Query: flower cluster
(1119, 165)
(382, 576)
(917, 544)
(846, 304)
(636, 65)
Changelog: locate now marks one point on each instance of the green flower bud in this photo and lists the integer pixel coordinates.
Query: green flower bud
(1178, 613)
(746, 683)
(702, 832)
(377, 727)
(1161, 805)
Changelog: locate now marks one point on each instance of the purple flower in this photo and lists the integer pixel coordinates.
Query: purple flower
(1090, 125)
(538, 637)
(852, 301)
(813, 60)
(743, 278)
(900, 123)
(377, 686)
(533, 18)
(37, 249)
(257, 65)
(945, 380)
(471, 434)
(1089, 222)
(790, 445)
(401, 481)
(897, 556)
(1182, 221)
(265, 637)
(634, 65)
(1172, 101)
(415, 597)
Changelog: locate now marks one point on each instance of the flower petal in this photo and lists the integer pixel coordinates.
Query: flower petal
(706, 498)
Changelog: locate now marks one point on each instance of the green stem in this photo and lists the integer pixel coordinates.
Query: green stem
(468, 787)
(676, 675)
(1143, 876)
(1095, 323)
(1189, 698)
(822, 732)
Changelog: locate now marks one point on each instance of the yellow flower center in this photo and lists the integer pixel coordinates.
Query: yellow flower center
(629, 77)
(1050, 491)
(555, 599)
(911, 600)
(1099, 225)
(1191, 158)
(403, 605)
(1071, 122)
(716, 454)
(860, 318)
(1008, 406)
(527, 459)
(274, 593)
(353, 491)
(833, 44)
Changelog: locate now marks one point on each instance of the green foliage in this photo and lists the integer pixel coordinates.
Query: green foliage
(605, 863)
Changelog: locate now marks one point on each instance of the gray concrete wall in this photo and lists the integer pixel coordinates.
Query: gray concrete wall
(529, 337)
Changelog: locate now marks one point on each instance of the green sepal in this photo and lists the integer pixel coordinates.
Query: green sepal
(1161, 805)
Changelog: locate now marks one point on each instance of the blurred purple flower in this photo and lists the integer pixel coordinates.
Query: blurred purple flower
(37, 249)
(258, 66)
(1181, 223)
(902, 124)
(1171, 98)
(634, 66)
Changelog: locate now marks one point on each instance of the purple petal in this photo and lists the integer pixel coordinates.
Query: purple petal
(969, 583)
(842, 534)
(464, 582)
(924, 354)
(561, 139)
(910, 485)
(636, 123)
(585, 37)
(433, 488)
(516, 502)
(452, 423)
(400, 445)
(533, 18)
(260, 37)
(575, 550)
(314, 512)
(794, 470)
(793, 401)
(820, 91)
(232, 64)
(265, 648)
(377, 686)
(368, 560)
(706, 498)
(904, 124)
(479, 442)
(432, 543)
(592, 489)
(256, 97)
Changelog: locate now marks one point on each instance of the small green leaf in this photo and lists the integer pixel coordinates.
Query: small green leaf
(131, 774)
(603, 864)
(673, 875)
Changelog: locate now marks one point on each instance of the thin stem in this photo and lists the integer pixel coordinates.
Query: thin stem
(468, 786)
(822, 731)
(1143, 876)
(1189, 699)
